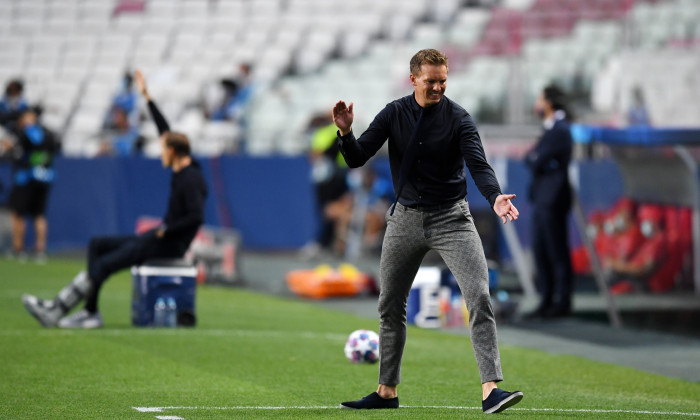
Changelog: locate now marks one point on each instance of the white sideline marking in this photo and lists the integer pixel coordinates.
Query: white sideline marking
(170, 418)
(326, 407)
(175, 332)
(584, 410)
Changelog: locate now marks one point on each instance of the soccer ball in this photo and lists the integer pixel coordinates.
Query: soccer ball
(362, 347)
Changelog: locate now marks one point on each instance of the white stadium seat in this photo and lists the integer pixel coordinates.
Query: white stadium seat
(318, 51)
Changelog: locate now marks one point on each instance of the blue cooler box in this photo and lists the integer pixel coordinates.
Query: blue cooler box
(423, 305)
(164, 279)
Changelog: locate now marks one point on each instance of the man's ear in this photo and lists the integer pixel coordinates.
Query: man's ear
(413, 78)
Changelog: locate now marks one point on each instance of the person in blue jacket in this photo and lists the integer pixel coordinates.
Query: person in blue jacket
(12, 104)
(550, 194)
(32, 156)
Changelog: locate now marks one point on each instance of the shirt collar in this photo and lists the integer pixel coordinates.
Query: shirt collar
(557, 116)
(417, 108)
(414, 103)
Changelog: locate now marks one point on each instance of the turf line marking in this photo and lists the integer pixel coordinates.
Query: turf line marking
(174, 332)
(170, 418)
(326, 407)
(584, 410)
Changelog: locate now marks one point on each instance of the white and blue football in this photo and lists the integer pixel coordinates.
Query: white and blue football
(362, 347)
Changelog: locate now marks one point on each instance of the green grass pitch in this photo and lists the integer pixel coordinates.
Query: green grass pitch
(258, 351)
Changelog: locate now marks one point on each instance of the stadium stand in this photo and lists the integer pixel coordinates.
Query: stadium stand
(306, 55)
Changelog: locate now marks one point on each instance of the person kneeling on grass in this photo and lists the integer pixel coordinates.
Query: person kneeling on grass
(107, 255)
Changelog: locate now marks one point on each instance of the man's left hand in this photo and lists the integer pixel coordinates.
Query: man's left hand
(160, 232)
(505, 209)
(141, 84)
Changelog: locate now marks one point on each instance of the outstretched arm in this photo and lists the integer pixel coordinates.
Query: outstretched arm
(158, 118)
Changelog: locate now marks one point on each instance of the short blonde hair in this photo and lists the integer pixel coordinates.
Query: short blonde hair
(427, 56)
(178, 142)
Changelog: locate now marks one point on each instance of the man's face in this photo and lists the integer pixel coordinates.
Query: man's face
(121, 120)
(166, 155)
(430, 84)
(543, 107)
(27, 119)
(14, 93)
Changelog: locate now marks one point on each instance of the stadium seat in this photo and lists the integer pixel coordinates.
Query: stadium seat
(353, 44)
(190, 124)
(443, 11)
(88, 121)
(96, 9)
(194, 8)
(398, 26)
(427, 35)
(80, 44)
(308, 61)
(275, 59)
(60, 97)
(152, 43)
(6, 12)
(518, 4)
(127, 23)
(205, 40)
(256, 37)
(158, 24)
(74, 144)
(229, 7)
(261, 145)
(65, 9)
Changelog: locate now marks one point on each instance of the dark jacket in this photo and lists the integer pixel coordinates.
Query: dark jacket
(188, 193)
(549, 164)
(185, 214)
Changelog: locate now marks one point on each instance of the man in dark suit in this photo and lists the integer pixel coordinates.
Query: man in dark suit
(550, 194)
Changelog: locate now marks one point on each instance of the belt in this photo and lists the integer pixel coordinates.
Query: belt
(434, 207)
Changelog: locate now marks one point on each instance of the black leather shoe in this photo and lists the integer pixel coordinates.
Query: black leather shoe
(498, 400)
(373, 400)
(558, 312)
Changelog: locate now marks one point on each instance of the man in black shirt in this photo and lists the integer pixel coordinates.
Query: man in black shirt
(107, 255)
(430, 139)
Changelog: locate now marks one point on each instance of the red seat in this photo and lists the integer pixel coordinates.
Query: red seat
(664, 278)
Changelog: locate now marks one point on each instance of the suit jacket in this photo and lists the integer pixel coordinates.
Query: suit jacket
(549, 164)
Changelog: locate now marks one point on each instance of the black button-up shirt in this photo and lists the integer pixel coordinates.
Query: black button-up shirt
(446, 138)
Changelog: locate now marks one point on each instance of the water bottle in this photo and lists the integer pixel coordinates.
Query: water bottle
(159, 313)
(171, 313)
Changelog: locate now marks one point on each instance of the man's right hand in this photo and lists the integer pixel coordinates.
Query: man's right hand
(343, 116)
